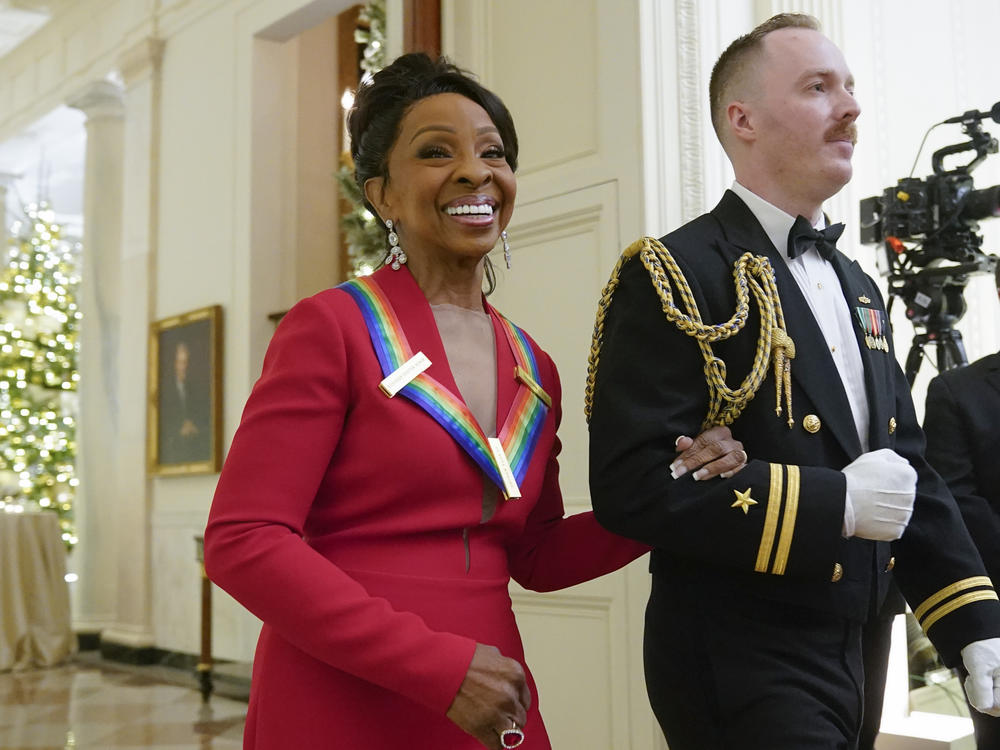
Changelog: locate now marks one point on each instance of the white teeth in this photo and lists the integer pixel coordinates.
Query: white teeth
(483, 209)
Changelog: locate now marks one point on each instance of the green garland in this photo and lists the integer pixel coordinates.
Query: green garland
(365, 239)
(373, 58)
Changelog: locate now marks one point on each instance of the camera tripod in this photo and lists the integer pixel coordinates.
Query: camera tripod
(950, 351)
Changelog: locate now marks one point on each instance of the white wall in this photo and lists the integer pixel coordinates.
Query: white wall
(609, 98)
(213, 152)
(915, 65)
(571, 80)
(237, 217)
(918, 64)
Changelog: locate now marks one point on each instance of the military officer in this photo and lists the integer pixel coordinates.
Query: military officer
(749, 316)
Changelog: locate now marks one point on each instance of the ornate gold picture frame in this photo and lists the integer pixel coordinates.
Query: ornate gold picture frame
(184, 419)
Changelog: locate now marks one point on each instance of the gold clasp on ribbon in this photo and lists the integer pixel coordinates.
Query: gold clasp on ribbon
(521, 374)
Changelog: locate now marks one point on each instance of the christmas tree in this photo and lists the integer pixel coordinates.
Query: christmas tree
(39, 319)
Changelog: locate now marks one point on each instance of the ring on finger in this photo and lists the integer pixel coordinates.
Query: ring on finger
(512, 737)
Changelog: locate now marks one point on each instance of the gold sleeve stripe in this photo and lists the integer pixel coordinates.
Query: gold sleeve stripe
(788, 523)
(961, 601)
(965, 583)
(770, 520)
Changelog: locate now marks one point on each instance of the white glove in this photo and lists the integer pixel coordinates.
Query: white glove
(982, 662)
(881, 487)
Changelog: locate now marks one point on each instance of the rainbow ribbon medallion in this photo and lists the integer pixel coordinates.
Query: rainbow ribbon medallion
(504, 459)
(523, 425)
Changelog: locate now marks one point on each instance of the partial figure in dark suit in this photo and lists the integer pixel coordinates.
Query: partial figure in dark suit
(963, 442)
(763, 580)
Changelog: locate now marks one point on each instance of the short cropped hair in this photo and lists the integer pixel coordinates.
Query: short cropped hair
(739, 58)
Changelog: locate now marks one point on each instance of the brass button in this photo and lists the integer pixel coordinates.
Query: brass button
(838, 572)
(811, 423)
(890, 565)
(892, 425)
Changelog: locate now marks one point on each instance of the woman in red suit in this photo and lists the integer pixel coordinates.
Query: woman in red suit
(396, 462)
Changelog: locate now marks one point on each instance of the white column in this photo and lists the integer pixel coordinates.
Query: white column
(94, 600)
(140, 69)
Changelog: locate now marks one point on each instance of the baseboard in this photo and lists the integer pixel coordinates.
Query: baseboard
(230, 679)
(136, 655)
(88, 641)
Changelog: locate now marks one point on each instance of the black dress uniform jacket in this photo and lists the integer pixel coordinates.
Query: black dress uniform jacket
(963, 445)
(786, 548)
(962, 422)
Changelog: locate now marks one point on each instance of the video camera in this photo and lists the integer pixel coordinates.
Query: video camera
(939, 216)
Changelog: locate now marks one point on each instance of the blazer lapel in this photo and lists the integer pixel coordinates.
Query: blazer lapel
(417, 319)
(813, 364)
(506, 385)
(421, 331)
(993, 376)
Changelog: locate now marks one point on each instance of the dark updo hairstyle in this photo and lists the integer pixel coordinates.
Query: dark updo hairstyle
(381, 103)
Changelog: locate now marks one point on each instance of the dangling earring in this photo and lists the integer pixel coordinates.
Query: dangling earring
(506, 248)
(396, 253)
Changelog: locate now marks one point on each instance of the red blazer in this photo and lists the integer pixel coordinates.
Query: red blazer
(340, 520)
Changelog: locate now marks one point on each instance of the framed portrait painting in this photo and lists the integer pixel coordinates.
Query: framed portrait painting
(184, 425)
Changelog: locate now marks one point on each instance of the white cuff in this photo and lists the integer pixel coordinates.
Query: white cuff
(848, 529)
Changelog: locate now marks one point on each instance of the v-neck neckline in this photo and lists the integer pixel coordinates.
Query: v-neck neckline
(417, 321)
(471, 360)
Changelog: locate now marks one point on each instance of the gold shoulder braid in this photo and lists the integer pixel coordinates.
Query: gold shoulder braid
(751, 273)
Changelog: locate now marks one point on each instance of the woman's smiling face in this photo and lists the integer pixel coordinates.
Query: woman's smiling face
(449, 189)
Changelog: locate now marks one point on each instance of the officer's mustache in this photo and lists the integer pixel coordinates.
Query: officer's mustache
(844, 132)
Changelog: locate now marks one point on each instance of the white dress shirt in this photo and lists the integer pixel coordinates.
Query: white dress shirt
(820, 286)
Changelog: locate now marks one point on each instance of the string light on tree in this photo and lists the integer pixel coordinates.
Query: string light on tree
(39, 319)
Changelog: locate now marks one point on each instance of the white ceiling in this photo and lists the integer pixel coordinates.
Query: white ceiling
(46, 158)
(19, 19)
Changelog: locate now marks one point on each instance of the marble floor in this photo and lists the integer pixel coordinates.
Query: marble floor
(101, 706)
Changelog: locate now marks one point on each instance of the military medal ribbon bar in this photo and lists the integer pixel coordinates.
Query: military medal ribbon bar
(873, 324)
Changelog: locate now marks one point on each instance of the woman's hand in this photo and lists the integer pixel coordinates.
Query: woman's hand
(715, 452)
(493, 694)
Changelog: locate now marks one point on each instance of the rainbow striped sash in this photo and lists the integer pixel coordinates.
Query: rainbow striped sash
(519, 434)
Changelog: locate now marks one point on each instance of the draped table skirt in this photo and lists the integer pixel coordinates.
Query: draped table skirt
(35, 628)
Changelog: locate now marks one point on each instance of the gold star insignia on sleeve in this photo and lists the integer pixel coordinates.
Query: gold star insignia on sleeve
(743, 500)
